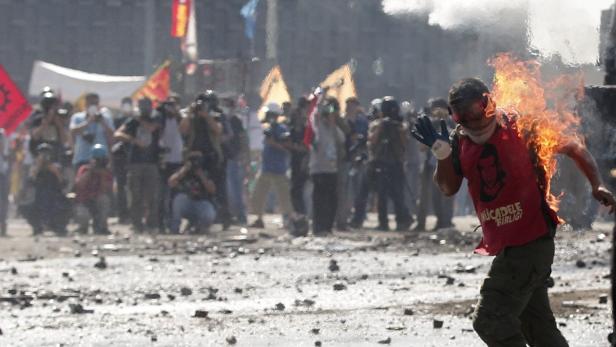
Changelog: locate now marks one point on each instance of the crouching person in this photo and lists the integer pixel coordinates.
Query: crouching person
(93, 185)
(194, 192)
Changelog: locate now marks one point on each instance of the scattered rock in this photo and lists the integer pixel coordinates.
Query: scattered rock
(185, 291)
(13, 271)
(450, 281)
(238, 290)
(315, 331)
(200, 314)
(1, 332)
(304, 303)
(603, 299)
(153, 338)
(437, 324)
(386, 341)
(408, 312)
(151, 296)
(231, 340)
(469, 269)
(550, 282)
(279, 306)
(339, 286)
(225, 311)
(333, 266)
(580, 263)
(101, 263)
(317, 344)
(78, 309)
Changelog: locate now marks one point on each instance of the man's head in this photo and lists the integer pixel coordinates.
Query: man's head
(331, 109)
(438, 108)
(390, 108)
(145, 107)
(352, 106)
(49, 100)
(375, 108)
(286, 108)
(469, 99)
(127, 105)
(272, 110)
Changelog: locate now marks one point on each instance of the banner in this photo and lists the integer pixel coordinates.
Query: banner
(72, 84)
(341, 85)
(273, 89)
(157, 86)
(179, 17)
(14, 108)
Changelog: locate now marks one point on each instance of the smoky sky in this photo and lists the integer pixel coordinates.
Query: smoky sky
(569, 28)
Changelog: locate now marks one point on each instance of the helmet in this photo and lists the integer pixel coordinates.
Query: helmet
(390, 107)
(375, 107)
(407, 107)
(48, 98)
(98, 151)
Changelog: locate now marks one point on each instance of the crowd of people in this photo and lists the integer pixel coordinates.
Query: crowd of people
(154, 166)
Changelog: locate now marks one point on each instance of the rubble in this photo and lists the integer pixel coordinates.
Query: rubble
(386, 341)
(185, 291)
(231, 340)
(437, 324)
(603, 299)
(101, 263)
(408, 312)
(333, 266)
(339, 286)
(201, 314)
(279, 307)
(78, 309)
(580, 263)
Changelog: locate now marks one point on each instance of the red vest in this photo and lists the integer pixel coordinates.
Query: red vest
(502, 182)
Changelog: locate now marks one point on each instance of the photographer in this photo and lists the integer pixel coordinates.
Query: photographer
(194, 190)
(50, 207)
(141, 134)
(47, 125)
(93, 186)
(93, 126)
(274, 166)
(387, 139)
(325, 160)
(172, 144)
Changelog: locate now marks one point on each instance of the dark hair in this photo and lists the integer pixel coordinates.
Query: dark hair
(92, 96)
(302, 102)
(438, 102)
(127, 100)
(352, 100)
(465, 90)
(332, 102)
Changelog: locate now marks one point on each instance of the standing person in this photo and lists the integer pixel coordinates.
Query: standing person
(299, 155)
(386, 141)
(194, 193)
(46, 125)
(437, 110)
(274, 166)
(88, 128)
(171, 144)
(412, 162)
(93, 187)
(325, 151)
(119, 157)
(364, 161)
(237, 154)
(141, 134)
(508, 191)
(354, 124)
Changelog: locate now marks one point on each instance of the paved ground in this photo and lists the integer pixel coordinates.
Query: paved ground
(262, 288)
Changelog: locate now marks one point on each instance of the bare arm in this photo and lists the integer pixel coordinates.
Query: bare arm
(446, 177)
(586, 163)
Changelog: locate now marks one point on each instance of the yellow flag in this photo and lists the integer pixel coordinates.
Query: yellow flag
(341, 85)
(273, 89)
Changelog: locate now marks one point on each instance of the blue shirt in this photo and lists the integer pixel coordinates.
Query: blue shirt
(275, 160)
(96, 131)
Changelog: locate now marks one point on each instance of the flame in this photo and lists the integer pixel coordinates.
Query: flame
(546, 118)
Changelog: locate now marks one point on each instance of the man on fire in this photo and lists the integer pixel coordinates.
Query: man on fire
(517, 221)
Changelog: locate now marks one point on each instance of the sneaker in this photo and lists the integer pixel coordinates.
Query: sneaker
(381, 228)
(299, 227)
(258, 224)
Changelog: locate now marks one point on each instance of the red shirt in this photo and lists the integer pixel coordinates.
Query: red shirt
(97, 184)
(502, 182)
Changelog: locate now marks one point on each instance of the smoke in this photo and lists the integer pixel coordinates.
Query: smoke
(569, 28)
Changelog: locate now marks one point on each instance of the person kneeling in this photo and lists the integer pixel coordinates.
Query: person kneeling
(194, 193)
(93, 185)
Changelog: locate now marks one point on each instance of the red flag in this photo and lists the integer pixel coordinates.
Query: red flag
(311, 129)
(157, 86)
(14, 108)
(179, 17)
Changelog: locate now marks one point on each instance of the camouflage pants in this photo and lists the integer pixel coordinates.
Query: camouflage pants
(514, 309)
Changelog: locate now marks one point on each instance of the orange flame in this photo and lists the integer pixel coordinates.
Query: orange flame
(546, 117)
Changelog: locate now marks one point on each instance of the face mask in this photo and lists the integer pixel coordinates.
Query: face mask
(92, 110)
(127, 108)
(482, 136)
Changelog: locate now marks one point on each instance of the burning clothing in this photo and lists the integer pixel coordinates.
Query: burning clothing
(502, 182)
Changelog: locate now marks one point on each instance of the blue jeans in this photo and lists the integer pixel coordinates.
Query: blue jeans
(200, 213)
(235, 190)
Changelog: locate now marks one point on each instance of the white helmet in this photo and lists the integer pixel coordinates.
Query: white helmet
(407, 107)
